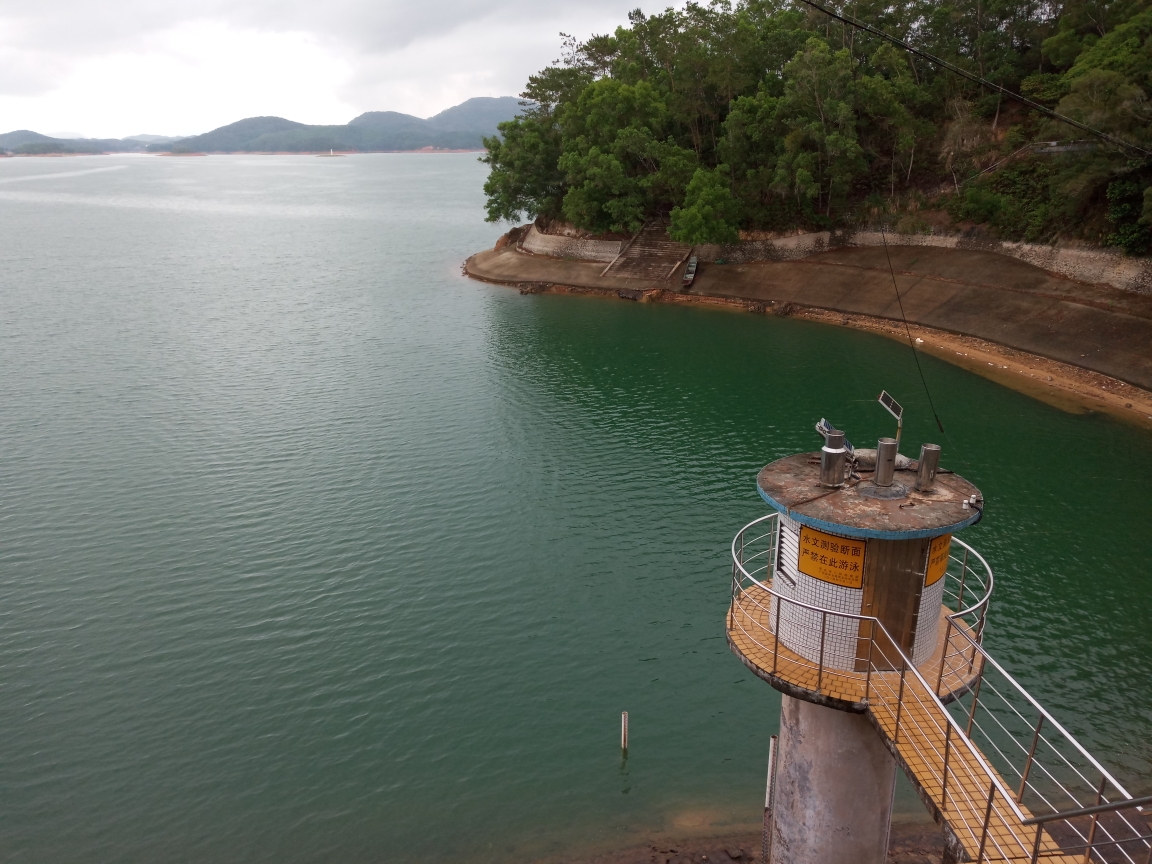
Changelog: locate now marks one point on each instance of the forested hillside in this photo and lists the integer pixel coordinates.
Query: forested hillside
(770, 116)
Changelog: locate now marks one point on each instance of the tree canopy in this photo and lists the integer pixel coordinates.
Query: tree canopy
(765, 115)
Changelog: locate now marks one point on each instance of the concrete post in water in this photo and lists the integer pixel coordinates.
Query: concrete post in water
(769, 794)
(834, 786)
(624, 731)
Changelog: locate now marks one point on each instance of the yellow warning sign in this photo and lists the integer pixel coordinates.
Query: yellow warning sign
(839, 560)
(937, 558)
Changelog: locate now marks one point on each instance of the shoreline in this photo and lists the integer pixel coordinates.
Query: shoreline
(423, 150)
(1070, 388)
(910, 842)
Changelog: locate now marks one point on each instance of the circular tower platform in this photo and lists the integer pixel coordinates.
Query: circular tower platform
(843, 587)
(792, 486)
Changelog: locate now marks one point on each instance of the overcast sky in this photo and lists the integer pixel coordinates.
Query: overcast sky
(174, 67)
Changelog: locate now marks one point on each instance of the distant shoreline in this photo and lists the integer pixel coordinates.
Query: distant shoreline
(428, 150)
(423, 150)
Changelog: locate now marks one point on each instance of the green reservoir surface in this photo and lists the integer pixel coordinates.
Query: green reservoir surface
(312, 550)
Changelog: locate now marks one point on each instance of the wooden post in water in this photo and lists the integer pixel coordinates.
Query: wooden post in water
(766, 839)
(624, 731)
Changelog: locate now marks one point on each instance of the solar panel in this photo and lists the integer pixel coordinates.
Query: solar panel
(893, 407)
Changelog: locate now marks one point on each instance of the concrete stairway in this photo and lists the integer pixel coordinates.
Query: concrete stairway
(651, 256)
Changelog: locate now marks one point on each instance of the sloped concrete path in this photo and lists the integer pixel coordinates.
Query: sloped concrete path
(979, 294)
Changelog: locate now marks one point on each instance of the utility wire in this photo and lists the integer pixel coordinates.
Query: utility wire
(983, 82)
(908, 332)
(915, 353)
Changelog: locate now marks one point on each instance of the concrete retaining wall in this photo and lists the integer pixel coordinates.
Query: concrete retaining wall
(1098, 266)
(1084, 264)
(559, 246)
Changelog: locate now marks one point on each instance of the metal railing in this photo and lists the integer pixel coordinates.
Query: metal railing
(1013, 784)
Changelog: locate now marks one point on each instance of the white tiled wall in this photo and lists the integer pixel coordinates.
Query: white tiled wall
(800, 628)
(928, 622)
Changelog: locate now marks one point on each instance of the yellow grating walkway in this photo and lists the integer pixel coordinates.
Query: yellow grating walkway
(946, 766)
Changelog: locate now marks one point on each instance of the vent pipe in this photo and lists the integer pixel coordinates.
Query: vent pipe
(929, 462)
(832, 459)
(885, 461)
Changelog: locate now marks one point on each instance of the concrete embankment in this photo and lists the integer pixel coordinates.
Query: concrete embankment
(991, 297)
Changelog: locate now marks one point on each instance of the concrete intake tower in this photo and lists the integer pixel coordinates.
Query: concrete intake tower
(855, 600)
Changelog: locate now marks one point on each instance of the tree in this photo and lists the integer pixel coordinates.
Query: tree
(710, 214)
(620, 164)
(820, 156)
(752, 114)
(525, 178)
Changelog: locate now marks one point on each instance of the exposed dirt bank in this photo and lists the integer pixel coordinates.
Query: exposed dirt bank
(911, 843)
(1079, 347)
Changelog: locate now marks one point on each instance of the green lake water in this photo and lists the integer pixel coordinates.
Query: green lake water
(313, 550)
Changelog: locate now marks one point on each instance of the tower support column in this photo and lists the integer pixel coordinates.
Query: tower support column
(834, 785)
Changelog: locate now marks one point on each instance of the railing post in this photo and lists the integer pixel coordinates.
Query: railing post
(975, 697)
(944, 654)
(1036, 843)
(979, 640)
(987, 819)
(1095, 819)
(868, 671)
(735, 591)
(900, 699)
(963, 576)
(823, 630)
(1028, 761)
(944, 776)
(777, 600)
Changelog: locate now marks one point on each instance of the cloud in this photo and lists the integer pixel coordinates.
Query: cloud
(190, 79)
(492, 57)
(369, 27)
(170, 66)
(25, 72)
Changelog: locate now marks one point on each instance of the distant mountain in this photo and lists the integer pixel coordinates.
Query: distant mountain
(235, 136)
(154, 139)
(10, 140)
(461, 127)
(389, 121)
(479, 114)
(26, 141)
